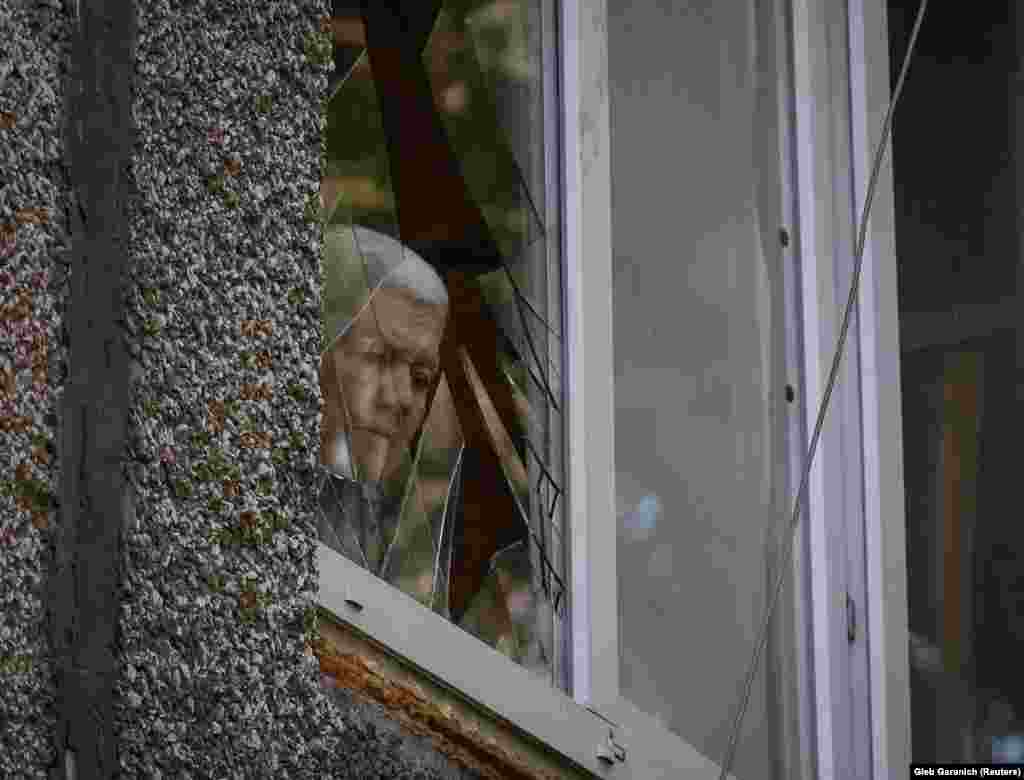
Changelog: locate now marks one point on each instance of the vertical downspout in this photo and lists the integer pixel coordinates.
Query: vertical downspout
(85, 568)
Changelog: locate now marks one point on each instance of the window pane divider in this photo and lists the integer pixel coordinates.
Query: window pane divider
(591, 435)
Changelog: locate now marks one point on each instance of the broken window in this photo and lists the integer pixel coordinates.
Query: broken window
(441, 441)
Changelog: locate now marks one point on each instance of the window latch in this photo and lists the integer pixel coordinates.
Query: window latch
(611, 752)
(352, 601)
(355, 606)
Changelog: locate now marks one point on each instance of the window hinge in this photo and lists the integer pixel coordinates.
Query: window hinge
(611, 752)
(851, 619)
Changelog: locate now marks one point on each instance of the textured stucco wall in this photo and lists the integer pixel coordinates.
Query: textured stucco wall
(34, 246)
(215, 535)
(214, 680)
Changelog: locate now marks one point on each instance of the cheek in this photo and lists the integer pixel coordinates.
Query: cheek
(356, 386)
(419, 406)
(415, 416)
(420, 409)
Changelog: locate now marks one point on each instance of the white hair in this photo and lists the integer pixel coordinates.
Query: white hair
(381, 261)
(391, 264)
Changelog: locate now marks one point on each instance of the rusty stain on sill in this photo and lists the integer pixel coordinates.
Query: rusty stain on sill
(355, 665)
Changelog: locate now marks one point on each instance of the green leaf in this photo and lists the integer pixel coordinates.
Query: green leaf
(203, 473)
(312, 211)
(311, 621)
(319, 47)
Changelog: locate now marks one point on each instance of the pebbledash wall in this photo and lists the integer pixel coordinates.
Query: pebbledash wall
(160, 283)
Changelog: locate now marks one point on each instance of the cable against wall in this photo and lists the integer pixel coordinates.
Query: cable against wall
(730, 754)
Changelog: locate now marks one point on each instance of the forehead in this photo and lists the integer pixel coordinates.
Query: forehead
(394, 316)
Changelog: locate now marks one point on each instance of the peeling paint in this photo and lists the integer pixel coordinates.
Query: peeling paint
(458, 738)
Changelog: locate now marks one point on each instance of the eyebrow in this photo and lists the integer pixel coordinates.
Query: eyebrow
(417, 356)
(362, 341)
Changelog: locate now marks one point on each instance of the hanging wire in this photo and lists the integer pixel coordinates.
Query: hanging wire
(730, 753)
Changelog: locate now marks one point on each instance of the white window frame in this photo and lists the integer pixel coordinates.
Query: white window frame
(579, 727)
(880, 400)
(856, 531)
(832, 517)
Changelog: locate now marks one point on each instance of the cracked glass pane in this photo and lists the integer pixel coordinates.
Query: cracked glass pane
(441, 441)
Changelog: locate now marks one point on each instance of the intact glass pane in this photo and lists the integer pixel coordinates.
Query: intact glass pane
(441, 440)
(961, 316)
(698, 360)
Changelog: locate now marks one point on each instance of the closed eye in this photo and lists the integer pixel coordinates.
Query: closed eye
(423, 379)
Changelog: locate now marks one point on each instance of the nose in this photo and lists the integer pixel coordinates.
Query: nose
(396, 386)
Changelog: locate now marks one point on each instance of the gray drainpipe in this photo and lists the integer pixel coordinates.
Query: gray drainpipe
(93, 422)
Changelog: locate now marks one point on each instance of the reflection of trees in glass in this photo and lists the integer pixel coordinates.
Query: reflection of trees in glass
(475, 52)
(357, 161)
(486, 63)
(501, 39)
(481, 65)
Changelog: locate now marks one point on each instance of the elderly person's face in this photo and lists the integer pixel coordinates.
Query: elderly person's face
(385, 366)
